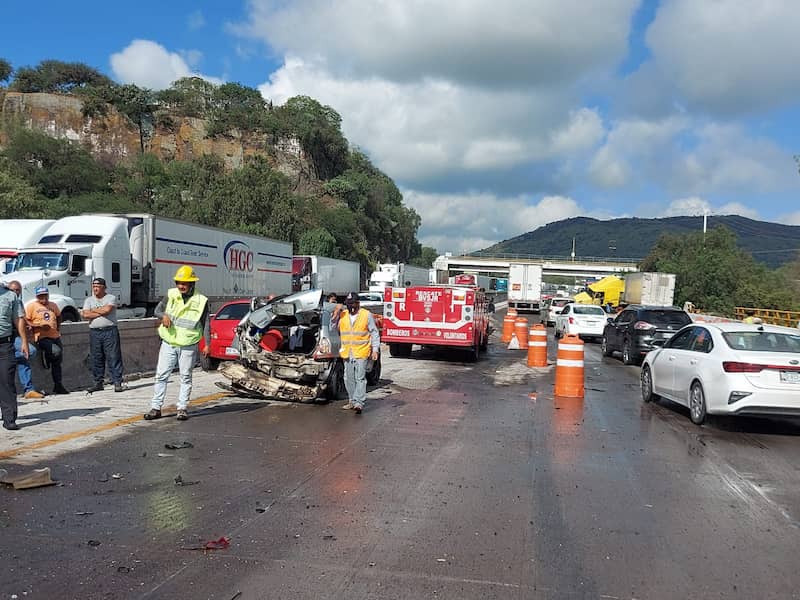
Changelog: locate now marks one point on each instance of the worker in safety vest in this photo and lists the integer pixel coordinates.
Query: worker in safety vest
(751, 316)
(360, 344)
(184, 320)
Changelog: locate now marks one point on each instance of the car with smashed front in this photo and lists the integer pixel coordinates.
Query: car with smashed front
(289, 350)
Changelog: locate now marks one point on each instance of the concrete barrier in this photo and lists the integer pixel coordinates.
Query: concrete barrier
(140, 343)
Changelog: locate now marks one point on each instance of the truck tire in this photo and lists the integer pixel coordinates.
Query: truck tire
(208, 363)
(400, 350)
(335, 382)
(70, 315)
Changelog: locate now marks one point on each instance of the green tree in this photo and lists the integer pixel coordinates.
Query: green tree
(426, 257)
(317, 241)
(5, 69)
(318, 128)
(18, 199)
(55, 76)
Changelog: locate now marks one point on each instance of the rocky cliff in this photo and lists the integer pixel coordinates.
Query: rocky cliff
(115, 137)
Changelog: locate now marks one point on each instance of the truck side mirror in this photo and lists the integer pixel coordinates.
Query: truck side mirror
(77, 263)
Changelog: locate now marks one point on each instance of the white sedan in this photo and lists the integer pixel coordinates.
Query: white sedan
(584, 320)
(727, 369)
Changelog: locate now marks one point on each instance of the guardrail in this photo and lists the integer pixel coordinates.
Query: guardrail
(787, 318)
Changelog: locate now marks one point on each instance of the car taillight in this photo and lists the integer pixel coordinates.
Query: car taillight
(643, 325)
(730, 366)
(571, 320)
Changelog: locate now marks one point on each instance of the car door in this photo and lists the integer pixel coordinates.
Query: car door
(676, 351)
(616, 330)
(562, 316)
(690, 361)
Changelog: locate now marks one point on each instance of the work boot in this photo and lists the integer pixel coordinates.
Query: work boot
(118, 387)
(33, 394)
(348, 406)
(358, 408)
(60, 389)
(152, 415)
(10, 426)
(97, 387)
(182, 415)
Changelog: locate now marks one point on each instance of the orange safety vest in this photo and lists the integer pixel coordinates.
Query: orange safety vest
(355, 338)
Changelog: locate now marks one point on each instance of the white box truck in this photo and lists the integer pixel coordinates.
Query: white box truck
(397, 275)
(525, 286)
(331, 275)
(655, 289)
(16, 234)
(138, 254)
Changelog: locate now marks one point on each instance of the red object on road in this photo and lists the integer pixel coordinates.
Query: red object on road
(223, 329)
(219, 544)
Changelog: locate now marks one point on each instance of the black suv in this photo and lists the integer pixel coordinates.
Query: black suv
(633, 331)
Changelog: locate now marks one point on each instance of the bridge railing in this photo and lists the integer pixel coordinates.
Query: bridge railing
(553, 258)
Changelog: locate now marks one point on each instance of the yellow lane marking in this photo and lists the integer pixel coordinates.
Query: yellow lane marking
(92, 430)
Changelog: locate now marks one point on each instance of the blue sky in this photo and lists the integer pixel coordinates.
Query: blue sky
(493, 118)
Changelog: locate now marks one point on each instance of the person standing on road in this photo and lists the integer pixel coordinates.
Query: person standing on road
(184, 320)
(24, 360)
(360, 342)
(12, 317)
(44, 318)
(100, 309)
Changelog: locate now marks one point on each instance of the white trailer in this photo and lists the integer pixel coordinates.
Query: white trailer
(16, 234)
(525, 286)
(655, 289)
(397, 275)
(331, 275)
(138, 254)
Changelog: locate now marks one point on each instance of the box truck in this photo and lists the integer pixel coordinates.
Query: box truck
(328, 274)
(525, 286)
(656, 289)
(138, 254)
(397, 275)
(16, 234)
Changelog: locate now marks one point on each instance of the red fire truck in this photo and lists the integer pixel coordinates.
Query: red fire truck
(435, 315)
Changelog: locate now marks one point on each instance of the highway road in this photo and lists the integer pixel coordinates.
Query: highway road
(461, 481)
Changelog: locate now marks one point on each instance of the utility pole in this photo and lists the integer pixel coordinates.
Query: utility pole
(705, 224)
(573, 249)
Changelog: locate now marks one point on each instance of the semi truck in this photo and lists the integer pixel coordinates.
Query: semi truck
(138, 254)
(656, 289)
(331, 275)
(481, 281)
(16, 234)
(435, 316)
(607, 290)
(525, 286)
(397, 275)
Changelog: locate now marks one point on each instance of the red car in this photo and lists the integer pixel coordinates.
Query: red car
(223, 328)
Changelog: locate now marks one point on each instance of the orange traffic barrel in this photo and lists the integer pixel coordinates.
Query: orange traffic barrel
(508, 328)
(569, 367)
(512, 311)
(537, 346)
(521, 331)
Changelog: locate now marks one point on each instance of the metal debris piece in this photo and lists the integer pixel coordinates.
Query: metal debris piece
(178, 445)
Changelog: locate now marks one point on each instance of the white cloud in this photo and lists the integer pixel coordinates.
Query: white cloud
(790, 219)
(474, 220)
(728, 56)
(148, 64)
(696, 206)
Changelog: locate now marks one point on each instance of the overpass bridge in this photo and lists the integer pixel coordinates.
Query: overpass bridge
(497, 265)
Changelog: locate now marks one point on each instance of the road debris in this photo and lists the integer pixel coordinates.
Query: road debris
(117, 476)
(220, 544)
(180, 481)
(178, 446)
(33, 479)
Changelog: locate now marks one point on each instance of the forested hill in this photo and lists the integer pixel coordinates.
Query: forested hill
(770, 243)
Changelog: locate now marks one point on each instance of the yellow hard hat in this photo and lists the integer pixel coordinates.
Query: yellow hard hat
(186, 273)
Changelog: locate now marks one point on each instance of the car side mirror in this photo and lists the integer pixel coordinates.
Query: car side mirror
(658, 343)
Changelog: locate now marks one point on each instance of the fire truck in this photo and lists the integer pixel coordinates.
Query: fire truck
(436, 315)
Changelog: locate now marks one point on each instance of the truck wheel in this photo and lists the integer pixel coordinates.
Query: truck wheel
(69, 315)
(335, 382)
(208, 363)
(604, 347)
(400, 350)
(374, 376)
(627, 354)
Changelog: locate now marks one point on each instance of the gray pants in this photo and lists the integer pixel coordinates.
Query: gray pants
(168, 357)
(355, 380)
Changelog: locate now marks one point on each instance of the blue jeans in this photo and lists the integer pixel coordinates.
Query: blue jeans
(24, 364)
(168, 357)
(355, 380)
(105, 347)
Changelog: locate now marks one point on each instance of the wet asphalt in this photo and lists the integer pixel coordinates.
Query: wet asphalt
(462, 481)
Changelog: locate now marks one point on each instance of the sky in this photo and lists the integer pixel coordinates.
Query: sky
(493, 118)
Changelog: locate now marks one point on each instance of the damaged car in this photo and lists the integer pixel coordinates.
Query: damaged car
(288, 350)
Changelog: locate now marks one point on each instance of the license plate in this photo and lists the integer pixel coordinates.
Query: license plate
(790, 376)
(231, 351)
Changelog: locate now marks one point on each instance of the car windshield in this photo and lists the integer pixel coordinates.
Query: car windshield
(666, 318)
(56, 261)
(563, 302)
(763, 341)
(581, 309)
(233, 312)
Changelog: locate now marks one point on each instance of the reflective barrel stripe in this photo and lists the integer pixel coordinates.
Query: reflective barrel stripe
(571, 347)
(531, 343)
(565, 362)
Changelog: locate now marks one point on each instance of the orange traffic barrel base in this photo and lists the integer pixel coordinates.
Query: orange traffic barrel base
(569, 367)
(521, 331)
(508, 328)
(537, 346)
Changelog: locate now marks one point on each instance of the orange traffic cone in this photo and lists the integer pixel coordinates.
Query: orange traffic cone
(521, 331)
(508, 328)
(512, 311)
(537, 346)
(569, 367)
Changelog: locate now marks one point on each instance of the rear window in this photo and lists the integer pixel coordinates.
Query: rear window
(666, 318)
(581, 309)
(763, 341)
(232, 312)
(562, 302)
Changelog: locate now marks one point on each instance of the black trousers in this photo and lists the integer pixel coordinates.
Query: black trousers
(8, 389)
(105, 347)
(53, 351)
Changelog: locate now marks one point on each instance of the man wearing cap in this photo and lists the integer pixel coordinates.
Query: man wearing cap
(44, 318)
(100, 309)
(184, 320)
(360, 343)
(12, 317)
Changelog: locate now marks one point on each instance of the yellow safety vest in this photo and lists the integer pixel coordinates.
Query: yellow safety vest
(355, 338)
(185, 317)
